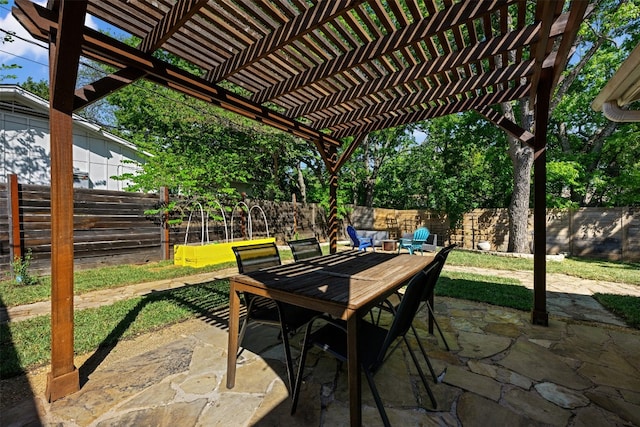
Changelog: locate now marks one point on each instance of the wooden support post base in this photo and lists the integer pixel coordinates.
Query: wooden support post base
(540, 318)
(62, 385)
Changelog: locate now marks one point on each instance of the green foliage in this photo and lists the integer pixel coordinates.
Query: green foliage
(625, 306)
(600, 158)
(460, 164)
(40, 88)
(20, 268)
(560, 177)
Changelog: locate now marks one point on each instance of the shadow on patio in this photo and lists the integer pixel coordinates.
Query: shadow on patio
(501, 370)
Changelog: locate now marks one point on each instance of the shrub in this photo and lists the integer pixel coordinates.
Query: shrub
(20, 268)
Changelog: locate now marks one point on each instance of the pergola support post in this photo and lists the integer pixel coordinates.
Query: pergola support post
(165, 243)
(333, 203)
(539, 315)
(64, 57)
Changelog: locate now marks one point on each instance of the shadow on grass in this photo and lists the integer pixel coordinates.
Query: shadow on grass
(626, 307)
(17, 400)
(203, 301)
(485, 289)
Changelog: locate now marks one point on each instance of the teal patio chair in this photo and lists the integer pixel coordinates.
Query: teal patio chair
(414, 243)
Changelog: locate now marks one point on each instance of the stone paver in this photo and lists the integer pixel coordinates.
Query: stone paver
(529, 379)
(501, 370)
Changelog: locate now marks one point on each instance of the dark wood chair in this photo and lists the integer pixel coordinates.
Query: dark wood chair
(305, 248)
(263, 310)
(375, 343)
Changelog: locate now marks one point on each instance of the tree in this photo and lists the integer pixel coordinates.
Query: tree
(4, 68)
(376, 150)
(594, 161)
(40, 88)
(461, 165)
(608, 20)
(521, 156)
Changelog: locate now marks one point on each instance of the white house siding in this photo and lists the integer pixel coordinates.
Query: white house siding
(102, 159)
(25, 145)
(25, 149)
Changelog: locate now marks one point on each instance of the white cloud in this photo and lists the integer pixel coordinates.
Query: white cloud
(20, 47)
(35, 51)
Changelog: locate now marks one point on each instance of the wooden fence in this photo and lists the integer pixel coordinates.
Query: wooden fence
(110, 227)
(604, 233)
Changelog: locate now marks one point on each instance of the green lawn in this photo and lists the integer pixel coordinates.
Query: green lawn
(610, 271)
(25, 345)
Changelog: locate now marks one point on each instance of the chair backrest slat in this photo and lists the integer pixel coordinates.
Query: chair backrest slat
(305, 248)
(441, 259)
(254, 257)
(353, 235)
(421, 234)
(417, 286)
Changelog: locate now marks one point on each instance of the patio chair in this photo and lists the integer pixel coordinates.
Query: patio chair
(264, 310)
(415, 241)
(394, 301)
(305, 248)
(375, 343)
(361, 242)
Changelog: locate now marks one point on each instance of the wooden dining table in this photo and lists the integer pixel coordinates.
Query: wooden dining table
(345, 285)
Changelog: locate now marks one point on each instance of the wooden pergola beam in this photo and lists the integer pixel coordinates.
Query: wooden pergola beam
(348, 152)
(103, 48)
(507, 125)
(539, 314)
(544, 14)
(458, 87)
(579, 8)
(472, 54)
(180, 13)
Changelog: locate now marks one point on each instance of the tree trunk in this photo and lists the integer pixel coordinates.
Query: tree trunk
(302, 185)
(370, 180)
(522, 159)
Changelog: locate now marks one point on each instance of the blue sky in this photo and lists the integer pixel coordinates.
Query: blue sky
(31, 55)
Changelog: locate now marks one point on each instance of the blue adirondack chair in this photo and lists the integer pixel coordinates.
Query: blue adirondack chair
(361, 242)
(414, 243)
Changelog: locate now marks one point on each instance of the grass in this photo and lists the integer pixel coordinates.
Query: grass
(101, 278)
(494, 290)
(610, 271)
(25, 345)
(625, 306)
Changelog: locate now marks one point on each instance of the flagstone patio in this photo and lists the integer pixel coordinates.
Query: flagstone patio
(501, 370)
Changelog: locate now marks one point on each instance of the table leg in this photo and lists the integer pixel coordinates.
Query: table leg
(234, 320)
(353, 366)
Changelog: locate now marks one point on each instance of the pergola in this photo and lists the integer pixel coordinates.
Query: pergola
(325, 71)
